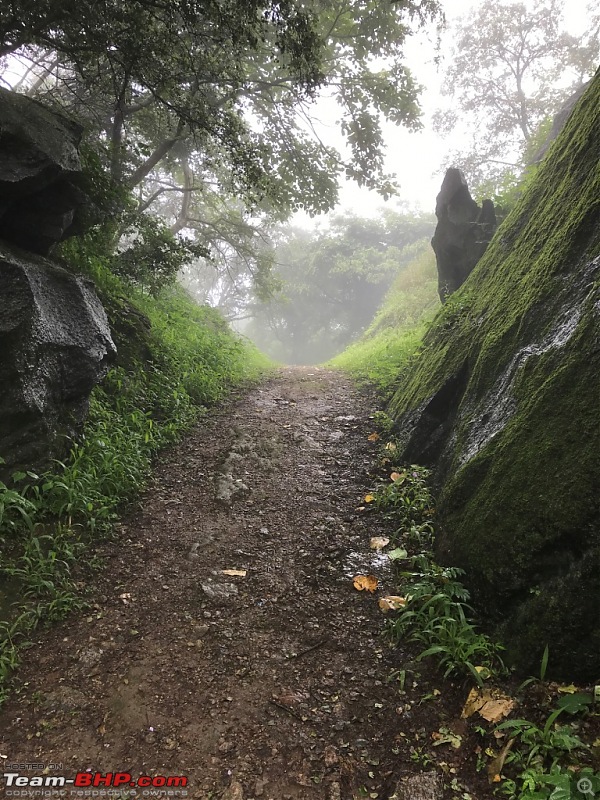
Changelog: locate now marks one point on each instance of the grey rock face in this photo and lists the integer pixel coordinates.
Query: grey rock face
(55, 345)
(462, 234)
(41, 201)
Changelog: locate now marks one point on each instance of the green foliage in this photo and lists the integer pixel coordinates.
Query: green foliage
(333, 282)
(508, 527)
(154, 81)
(436, 614)
(406, 499)
(560, 783)
(546, 757)
(388, 345)
(48, 521)
(154, 255)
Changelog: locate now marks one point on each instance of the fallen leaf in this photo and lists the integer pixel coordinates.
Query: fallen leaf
(397, 476)
(368, 582)
(379, 542)
(369, 498)
(445, 736)
(489, 704)
(373, 437)
(391, 603)
(235, 573)
(398, 552)
(391, 446)
(495, 767)
(571, 689)
(473, 703)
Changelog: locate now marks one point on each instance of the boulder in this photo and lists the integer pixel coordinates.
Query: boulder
(462, 234)
(55, 346)
(41, 200)
(503, 403)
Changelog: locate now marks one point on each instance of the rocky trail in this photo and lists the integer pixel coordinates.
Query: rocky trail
(225, 641)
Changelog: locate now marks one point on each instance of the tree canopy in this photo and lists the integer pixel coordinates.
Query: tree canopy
(204, 109)
(332, 283)
(225, 85)
(509, 70)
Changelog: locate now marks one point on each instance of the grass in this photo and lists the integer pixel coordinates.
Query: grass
(381, 355)
(176, 361)
(548, 760)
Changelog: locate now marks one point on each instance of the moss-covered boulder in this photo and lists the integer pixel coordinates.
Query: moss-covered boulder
(504, 402)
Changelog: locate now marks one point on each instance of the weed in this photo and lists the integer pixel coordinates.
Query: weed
(436, 614)
(543, 755)
(406, 498)
(48, 521)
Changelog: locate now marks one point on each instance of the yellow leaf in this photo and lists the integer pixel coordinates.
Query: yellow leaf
(235, 573)
(497, 708)
(379, 542)
(368, 582)
(495, 767)
(488, 703)
(473, 703)
(373, 437)
(369, 498)
(391, 603)
(397, 476)
(390, 446)
(571, 689)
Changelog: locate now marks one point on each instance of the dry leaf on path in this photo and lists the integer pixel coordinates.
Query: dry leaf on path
(369, 498)
(235, 573)
(489, 704)
(391, 446)
(368, 582)
(379, 542)
(391, 603)
(373, 437)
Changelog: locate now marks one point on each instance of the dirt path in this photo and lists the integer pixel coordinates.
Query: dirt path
(269, 685)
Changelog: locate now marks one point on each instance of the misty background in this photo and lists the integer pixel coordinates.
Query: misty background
(299, 212)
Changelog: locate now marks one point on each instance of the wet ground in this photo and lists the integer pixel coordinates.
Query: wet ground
(226, 642)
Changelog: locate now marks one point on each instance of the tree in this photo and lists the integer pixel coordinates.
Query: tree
(197, 104)
(333, 282)
(232, 79)
(509, 71)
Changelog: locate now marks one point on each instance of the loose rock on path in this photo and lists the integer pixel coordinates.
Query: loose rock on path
(270, 680)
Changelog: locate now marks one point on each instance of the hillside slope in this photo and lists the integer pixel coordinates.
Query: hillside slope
(504, 401)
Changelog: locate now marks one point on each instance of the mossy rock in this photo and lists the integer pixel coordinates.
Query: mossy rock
(504, 403)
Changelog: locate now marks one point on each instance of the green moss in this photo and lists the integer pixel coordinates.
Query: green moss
(520, 514)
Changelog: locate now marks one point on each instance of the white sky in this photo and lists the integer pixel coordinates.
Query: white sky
(415, 158)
